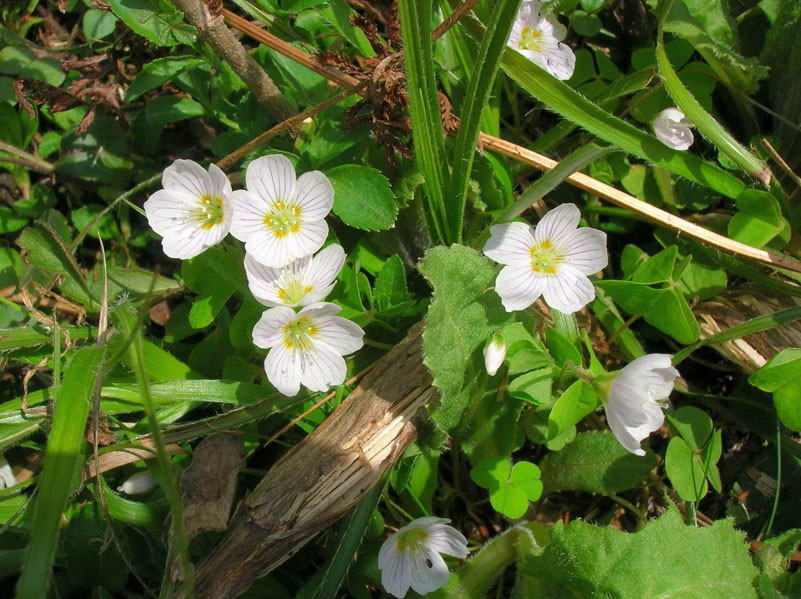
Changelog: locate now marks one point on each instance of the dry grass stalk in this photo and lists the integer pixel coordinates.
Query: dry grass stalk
(324, 475)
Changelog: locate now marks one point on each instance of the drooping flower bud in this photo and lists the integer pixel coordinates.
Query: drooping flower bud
(138, 483)
(494, 354)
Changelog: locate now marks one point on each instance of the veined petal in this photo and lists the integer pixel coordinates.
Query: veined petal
(315, 195)
(518, 287)
(568, 290)
(249, 212)
(396, 574)
(188, 177)
(585, 249)
(322, 368)
(283, 368)
(342, 335)
(557, 224)
(427, 579)
(263, 281)
(447, 540)
(219, 181)
(672, 128)
(271, 177)
(166, 210)
(269, 330)
(183, 246)
(617, 425)
(552, 28)
(510, 243)
(326, 266)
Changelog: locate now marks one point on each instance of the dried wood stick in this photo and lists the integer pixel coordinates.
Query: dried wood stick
(543, 163)
(323, 476)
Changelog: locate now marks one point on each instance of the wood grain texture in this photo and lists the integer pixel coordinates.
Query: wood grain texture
(323, 476)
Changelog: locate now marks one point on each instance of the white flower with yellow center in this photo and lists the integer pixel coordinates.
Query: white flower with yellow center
(306, 348)
(672, 128)
(539, 39)
(631, 398)
(279, 218)
(193, 211)
(552, 261)
(411, 556)
(299, 283)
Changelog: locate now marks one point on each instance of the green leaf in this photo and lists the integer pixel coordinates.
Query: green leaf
(158, 22)
(97, 23)
(693, 424)
(594, 462)
(60, 472)
(526, 477)
(561, 348)
(685, 470)
(703, 121)
(390, 284)
(462, 316)
(141, 281)
(197, 390)
(363, 197)
(575, 403)
(49, 252)
(665, 559)
(780, 377)
(158, 72)
(424, 112)
(510, 489)
(477, 95)
(758, 220)
(658, 268)
(671, 315)
(533, 386)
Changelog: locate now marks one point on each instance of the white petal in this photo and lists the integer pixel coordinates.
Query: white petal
(447, 540)
(553, 28)
(340, 334)
(167, 210)
(510, 243)
(519, 287)
(395, 568)
(315, 195)
(183, 246)
(557, 224)
(262, 281)
(322, 368)
(138, 483)
(219, 181)
(271, 178)
(322, 272)
(427, 578)
(283, 369)
(585, 249)
(617, 425)
(249, 211)
(269, 330)
(568, 290)
(187, 176)
(560, 61)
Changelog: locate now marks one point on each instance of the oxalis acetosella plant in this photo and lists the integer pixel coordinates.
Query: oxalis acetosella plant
(502, 305)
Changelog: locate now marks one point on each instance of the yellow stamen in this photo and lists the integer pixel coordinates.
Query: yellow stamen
(300, 334)
(210, 212)
(283, 218)
(545, 258)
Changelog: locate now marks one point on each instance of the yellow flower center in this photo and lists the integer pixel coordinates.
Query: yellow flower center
(530, 39)
(410, 538)
(545, 258)
(299, 334)
(293, 291)
(210, 212)
(283, 218)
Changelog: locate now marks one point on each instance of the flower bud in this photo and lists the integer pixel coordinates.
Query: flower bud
(672, 128)
(139, 483)
(494, 354)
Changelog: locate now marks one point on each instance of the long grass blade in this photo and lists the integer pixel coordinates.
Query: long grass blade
(63, 458)
(703, 121)
(478, 93)
(424, 112)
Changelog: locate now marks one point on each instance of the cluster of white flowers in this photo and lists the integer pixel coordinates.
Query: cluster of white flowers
(281, 220)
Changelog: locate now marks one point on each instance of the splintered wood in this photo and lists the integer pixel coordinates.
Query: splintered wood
(323, 476)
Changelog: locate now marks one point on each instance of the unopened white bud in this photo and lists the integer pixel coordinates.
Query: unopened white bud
(672, 128)
(139, 483)
(494, 354)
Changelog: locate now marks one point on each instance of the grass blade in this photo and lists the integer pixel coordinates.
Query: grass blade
(63, 459)
(429, 146)
(705, 124)
(477, 97)
(558, 96)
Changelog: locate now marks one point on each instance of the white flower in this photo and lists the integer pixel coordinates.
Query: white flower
(411, 556)
(553, 261)
(281, 219)
(538, 39)
(494, 354)
(306, 348)
(7, 478)
(632, 411)
(300, 283)
(672, 128)
(193, 211)
(138, 483)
